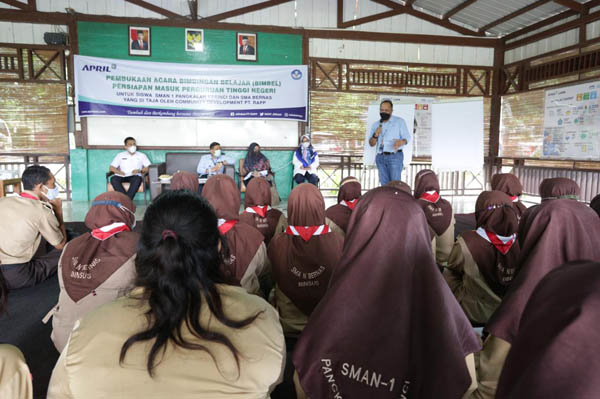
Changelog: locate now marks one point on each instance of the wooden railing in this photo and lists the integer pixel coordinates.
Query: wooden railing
(59, 165)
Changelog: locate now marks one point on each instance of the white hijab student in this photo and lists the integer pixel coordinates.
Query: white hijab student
(306, 162)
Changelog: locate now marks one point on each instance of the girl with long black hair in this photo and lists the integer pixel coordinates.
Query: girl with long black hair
(181, 332)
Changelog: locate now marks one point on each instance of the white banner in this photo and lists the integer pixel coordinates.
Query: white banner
(572, 122)
(110, 87)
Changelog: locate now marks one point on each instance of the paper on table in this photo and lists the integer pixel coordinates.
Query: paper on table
(263, 173)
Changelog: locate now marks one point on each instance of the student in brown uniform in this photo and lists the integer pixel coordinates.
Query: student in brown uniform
(484, 262)
(438, 212)
(15, 378)
(557, 232)
(550, 189)
(96, 267)
(258, 212)
(182, 332)
(388, 325)
(510, 185)
(303, 258)
(247, 261)
(183, 180)
(555, 352)
(400, 185)
(35, 214)
(348, 196)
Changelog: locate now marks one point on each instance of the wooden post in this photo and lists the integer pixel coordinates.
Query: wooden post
(495, 109)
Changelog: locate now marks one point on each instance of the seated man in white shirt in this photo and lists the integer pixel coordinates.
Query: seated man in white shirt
(213, 163)
(129, 166)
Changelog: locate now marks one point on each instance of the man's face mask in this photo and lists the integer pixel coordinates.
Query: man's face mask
(132, 149)
(384, 116)
(51, 194)
(217, 153)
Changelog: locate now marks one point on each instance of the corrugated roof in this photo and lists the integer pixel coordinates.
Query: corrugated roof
(483, 12)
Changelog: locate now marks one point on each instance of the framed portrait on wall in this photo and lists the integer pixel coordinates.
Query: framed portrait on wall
(194, 40)
(246, 46)
(139, 41)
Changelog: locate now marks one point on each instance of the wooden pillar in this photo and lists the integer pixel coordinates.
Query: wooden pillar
(495, 111)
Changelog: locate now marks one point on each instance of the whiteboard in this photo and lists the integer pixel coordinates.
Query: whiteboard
(457, 135)
(166, 132)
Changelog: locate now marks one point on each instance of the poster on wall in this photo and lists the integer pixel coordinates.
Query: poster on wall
(194, 40)
(139, 41)
(572, 122)
(111, 87)
(247, 47)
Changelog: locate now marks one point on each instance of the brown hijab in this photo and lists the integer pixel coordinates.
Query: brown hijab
(559, 188)
(87, 262)
(495, 215)
(557, 232)
(350, 191)
(511, 186)
(301, 269)
(438, 212)
(242, 241)
(555, 354)
(258, 199)
(388, 323)
(400, 185)
(595, 204)
(183, 180)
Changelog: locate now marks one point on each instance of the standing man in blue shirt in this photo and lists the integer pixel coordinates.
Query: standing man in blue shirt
(389, 135)
(212, 164)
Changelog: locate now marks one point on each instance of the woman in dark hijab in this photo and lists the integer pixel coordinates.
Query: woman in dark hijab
(400, 185)
(510, 185)
(183, 180)
(247, 261)
(550, 189)
(303, 258)
(595, 204)
(348, 196)
(258, 212)
(388, 326)
(557, 232)
(555, 352)
(438, 212)
(256, 164)
(96, 267)
(484, 262)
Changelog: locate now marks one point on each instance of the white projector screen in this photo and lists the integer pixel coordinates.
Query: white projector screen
(457, 135)
(165, 132)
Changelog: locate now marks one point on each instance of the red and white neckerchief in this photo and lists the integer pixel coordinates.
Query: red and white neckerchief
(502, 244)
(104, 233)
(307, 232)
(431, 196)
(29, 196)
(226, 225)
(259, 210)
(514, 198)
(350, 204)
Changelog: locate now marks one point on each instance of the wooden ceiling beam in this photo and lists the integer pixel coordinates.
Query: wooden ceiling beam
(370, 18)
(246, 10)
(17, 4)
(514, 14)
(156, 9)
(458, 8)
(572, 4)
(193, 6)
(429, 18)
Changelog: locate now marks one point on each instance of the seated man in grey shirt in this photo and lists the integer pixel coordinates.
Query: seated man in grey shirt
(213, 163)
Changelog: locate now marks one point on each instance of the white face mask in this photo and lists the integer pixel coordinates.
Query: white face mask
(132, 149)
(217, 153)
(52, 193)
(305, 144)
